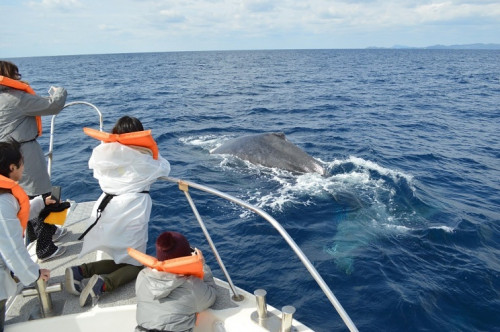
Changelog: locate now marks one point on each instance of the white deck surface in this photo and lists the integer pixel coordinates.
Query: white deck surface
(115, 311)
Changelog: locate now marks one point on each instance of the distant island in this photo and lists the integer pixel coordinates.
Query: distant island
(477, 46)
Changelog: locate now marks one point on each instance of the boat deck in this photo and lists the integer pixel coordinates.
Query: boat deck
(23, 309)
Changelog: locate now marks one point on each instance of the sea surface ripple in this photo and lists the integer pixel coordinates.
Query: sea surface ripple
(405, 226)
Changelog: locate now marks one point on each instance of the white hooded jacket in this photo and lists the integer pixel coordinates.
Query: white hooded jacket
(126, 172)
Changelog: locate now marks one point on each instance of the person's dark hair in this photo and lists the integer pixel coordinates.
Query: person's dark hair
(127, 124)
(10, 153)
(10, 70)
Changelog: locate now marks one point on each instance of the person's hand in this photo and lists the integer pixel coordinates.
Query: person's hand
(52, 90)
(49, 200)
(52, 206)
(45, 274)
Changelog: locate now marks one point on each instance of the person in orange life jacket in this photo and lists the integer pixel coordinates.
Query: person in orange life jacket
(20, 119)
(15, 209)
(20, 112)
(124, 221)
(168, 301)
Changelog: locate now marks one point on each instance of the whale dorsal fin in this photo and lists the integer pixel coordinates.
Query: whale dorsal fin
(280, 135)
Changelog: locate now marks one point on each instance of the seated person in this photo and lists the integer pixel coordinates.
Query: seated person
(168, 301)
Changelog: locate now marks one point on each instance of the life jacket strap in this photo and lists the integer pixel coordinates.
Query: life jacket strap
(30, 140)
(143, 329)
(107, 198)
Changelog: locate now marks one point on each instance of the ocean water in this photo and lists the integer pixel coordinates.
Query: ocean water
(405, 226)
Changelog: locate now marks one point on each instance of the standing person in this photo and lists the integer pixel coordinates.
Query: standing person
(20, 119)
(126, 165)
(15, 209)
(168, 301)
(20, 111)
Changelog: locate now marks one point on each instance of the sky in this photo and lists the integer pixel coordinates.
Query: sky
(68, 27)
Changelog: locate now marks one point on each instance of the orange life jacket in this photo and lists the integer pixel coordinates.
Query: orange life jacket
(18, 85)
(187, 265)
(136, 138)
(18, 192)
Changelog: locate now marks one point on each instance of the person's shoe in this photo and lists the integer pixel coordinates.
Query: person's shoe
(74, 279)
(92, 291)
(60, 232)
(57, 253)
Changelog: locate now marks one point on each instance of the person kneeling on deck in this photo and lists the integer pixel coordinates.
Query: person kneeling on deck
(174, 286)
(126, 165)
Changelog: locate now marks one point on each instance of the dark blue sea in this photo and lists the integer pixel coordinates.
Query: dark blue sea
(404, 228)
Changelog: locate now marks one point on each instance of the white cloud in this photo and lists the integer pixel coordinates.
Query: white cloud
(106, 27)
(172, 16)
(259, 6)
(446, 11)
(162, 25)
(56, 4)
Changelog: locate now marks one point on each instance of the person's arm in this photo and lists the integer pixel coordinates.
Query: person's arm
(32, 105)
(206, 291)
(36, 206)
(12, 248)
(38, 203)
(208, 277)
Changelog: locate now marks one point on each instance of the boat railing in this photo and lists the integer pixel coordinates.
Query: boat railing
(185, 185)
(49, 154)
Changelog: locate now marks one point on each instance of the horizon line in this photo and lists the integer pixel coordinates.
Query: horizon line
(472, 46)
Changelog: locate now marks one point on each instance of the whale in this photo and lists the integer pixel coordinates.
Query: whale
(272, 150)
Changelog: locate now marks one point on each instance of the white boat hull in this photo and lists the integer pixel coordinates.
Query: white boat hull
(116, 311)
(121, 318)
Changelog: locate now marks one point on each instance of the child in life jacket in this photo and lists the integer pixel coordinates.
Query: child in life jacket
(169, 301)
(125, 168)
(15, 210)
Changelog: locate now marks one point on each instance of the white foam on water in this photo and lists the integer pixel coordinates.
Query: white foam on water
(366, 189)
(367, 165)
(399, 228)
(375, 194)
(447, 229)
(206, 142)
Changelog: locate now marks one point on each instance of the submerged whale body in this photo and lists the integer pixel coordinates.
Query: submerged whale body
(271, 150)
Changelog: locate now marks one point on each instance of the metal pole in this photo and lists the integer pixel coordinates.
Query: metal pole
(287, 318)
(260, 297)
(312, 270)
(52, 125)
(51, 145)
(184, 188)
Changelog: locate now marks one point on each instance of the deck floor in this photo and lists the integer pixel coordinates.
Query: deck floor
(21, 308)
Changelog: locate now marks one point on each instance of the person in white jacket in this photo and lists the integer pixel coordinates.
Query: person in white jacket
(126, 172)
(14, 258)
